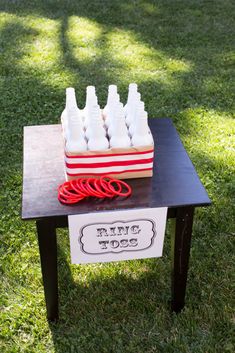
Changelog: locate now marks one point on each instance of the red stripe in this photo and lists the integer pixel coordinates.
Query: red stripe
(108, 155)
(108, 164)
(107, 173)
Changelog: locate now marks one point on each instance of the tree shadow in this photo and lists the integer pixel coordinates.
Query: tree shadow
(199, 36)
(103, 310)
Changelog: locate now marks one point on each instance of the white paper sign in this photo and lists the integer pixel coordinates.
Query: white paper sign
(117, 235)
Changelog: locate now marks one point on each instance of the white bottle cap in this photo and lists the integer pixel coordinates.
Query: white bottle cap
(90, 90)
(133, 87)
(113, 89)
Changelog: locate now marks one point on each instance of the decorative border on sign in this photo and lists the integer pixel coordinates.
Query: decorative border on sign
(110, 223)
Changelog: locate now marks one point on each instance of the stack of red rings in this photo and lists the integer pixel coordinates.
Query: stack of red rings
(76, 190)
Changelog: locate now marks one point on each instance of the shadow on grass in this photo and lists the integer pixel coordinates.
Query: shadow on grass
(110, 306)
(200, 36)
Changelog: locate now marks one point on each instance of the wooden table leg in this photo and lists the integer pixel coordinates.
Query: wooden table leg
(48, 253)
(181, 241)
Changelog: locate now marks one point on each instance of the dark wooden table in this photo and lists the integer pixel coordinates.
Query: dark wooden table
(175, 185)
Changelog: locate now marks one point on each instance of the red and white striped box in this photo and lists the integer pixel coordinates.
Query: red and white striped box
(121, 163)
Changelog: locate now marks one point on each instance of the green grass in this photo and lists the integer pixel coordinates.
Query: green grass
(181, 54)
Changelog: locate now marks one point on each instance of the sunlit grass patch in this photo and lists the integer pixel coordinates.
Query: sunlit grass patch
(142, 61)
(84, 38)
(43, 53)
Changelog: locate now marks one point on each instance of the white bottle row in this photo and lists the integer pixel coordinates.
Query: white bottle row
(116, 126)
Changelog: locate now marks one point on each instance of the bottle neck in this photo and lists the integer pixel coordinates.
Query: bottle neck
(90, 94)
(70, 99)
(91, 100)
(112, 90)
(132, 93)
(110, 98)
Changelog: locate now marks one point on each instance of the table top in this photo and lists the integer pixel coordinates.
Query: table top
(174, 183)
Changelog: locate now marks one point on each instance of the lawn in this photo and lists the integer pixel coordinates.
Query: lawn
(181, 54)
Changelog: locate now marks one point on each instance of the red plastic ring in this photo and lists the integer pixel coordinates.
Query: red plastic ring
(105, 186)
(76, 188)
(80, 186)
(67, 201)
(110, 189)
(80, 183)
(73, 191)
(103, 177)
(93, 192)
(98, 187)
(65, 193)
(117, 192)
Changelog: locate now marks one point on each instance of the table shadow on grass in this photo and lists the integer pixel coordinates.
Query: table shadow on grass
(107, 299)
